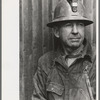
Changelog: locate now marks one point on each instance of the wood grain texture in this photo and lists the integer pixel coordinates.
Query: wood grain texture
(26, 49)
(89, 8)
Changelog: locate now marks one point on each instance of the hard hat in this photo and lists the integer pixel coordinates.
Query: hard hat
(69, 10)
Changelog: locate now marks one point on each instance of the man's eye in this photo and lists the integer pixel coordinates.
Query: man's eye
(81, 24)
(68, 24)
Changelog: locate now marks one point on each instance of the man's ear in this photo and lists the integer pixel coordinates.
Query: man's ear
(56, 32)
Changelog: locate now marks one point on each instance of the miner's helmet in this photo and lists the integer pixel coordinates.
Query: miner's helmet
(69, 10)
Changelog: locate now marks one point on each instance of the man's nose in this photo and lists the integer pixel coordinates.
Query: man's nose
(74, 29)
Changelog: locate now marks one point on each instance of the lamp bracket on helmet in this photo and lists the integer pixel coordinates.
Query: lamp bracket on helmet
(74, 4)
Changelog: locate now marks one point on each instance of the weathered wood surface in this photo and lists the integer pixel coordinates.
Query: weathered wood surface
(36, 38)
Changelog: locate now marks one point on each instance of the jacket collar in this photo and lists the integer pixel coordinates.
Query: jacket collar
(85, 53)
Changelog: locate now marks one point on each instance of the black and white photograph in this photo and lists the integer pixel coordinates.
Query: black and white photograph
(53, 50)
(58, 49)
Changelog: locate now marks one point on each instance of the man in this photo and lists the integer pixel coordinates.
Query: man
(65, 74)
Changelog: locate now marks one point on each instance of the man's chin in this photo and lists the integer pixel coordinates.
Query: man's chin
(75, 45)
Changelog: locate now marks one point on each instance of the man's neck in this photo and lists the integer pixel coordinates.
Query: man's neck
(72, 51)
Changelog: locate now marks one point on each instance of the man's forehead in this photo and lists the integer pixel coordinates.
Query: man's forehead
(74, 22)
(60, 24)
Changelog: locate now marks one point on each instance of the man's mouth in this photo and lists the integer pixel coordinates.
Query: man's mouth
(75, 39)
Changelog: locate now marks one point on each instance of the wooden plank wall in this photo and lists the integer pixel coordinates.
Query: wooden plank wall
(36, 38)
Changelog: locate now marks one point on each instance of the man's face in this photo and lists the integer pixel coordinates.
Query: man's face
(72, 34)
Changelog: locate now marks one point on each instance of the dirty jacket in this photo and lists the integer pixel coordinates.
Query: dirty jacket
(54, 80)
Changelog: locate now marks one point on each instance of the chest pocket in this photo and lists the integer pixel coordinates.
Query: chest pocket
(55, 91)
(55, 88)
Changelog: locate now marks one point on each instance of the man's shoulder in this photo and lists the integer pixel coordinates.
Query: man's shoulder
(47, 56)
(46, 61)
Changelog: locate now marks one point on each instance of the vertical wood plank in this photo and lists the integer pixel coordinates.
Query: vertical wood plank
(45, 32)
(54, 4)
(22, 86)
(22, 81)
(26, 49)
(36, 32)
(89, 8)
(94, 20)
(51, 35)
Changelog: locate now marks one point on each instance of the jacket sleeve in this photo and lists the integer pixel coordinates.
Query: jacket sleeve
(39, 81)
(92, 76)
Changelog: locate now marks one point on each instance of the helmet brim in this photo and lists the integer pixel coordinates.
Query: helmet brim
(59, 22)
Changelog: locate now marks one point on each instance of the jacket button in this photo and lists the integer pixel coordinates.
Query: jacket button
(52, 89)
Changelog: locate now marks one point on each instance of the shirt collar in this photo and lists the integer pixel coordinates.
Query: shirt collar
(85, 53)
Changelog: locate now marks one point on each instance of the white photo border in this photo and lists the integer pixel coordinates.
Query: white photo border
(10, 50)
